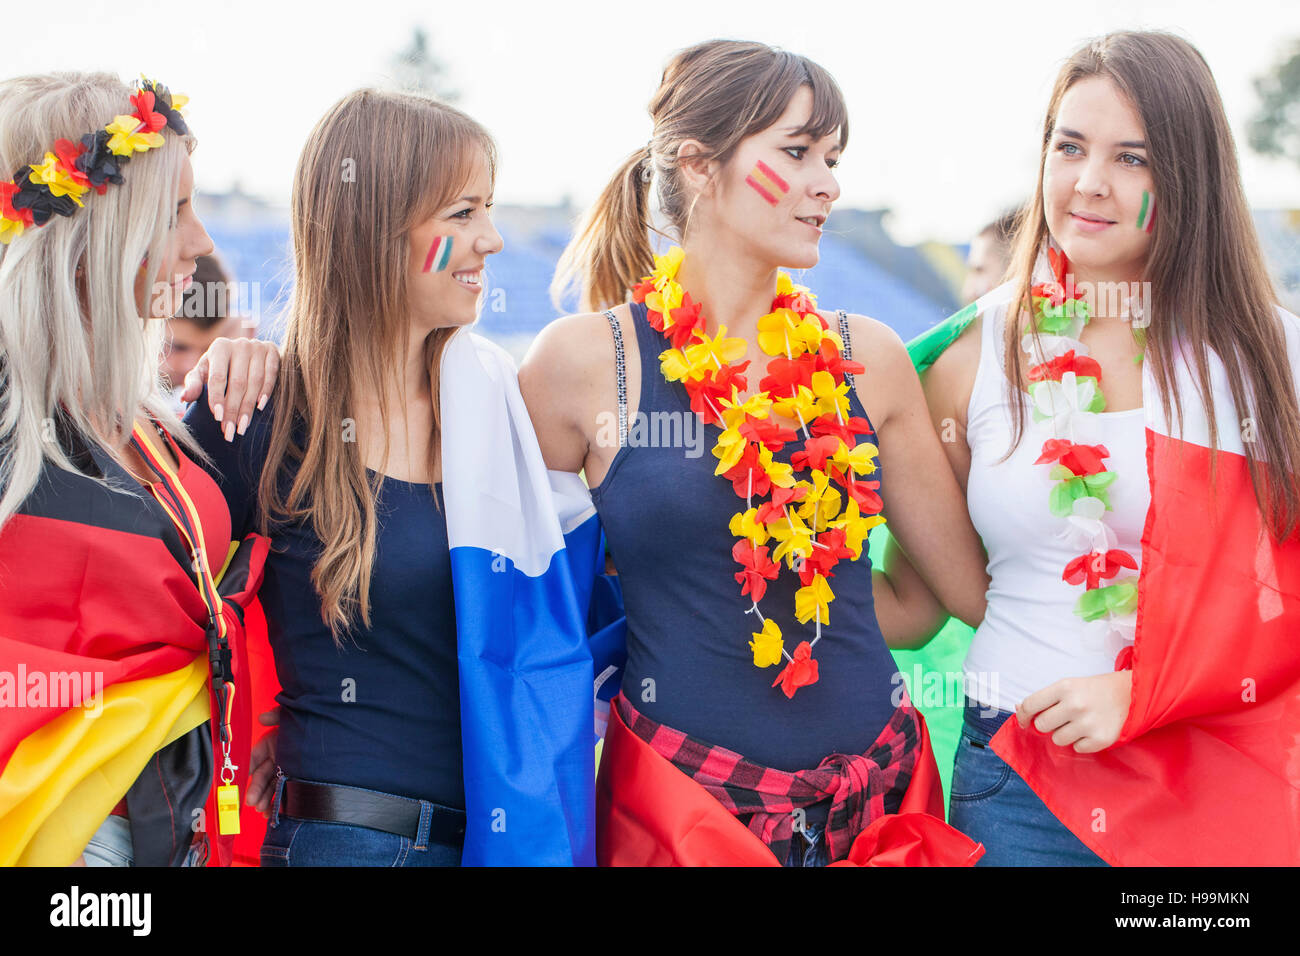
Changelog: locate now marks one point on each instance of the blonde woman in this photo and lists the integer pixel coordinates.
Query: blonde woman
(113, 750)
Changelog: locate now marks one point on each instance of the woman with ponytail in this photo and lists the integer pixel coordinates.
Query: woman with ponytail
(757, 722)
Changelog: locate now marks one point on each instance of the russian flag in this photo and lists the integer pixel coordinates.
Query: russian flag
(526, 549)
(1207, 767)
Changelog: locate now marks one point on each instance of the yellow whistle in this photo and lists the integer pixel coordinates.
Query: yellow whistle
(228, 809)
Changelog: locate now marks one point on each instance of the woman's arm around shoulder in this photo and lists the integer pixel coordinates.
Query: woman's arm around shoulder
(923, 502)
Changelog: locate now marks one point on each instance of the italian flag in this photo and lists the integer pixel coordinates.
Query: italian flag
(1207, 767)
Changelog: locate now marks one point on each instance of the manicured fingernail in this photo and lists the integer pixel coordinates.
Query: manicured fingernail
(230, 431)
(261, 402)
(243, 423)
(219, 412)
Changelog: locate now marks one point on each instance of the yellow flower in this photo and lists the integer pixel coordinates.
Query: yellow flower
(666, 266)
(830, 397)
(856, 527)
(664, 300)
(813, 601)
(9, 228)
(677, 365)
(125, 140)
(179, 101)
(807, 336)
(778, 333)
(60, 182)
(860, 458)
(795, 538)
(745, 525)
(729, 449)
(734, 411)
(785, 285)
(779, 473)
(801, 405)
(822, 500)
(716, 351)
(767, 645)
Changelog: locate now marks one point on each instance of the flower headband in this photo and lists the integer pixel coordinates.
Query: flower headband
(56, 185)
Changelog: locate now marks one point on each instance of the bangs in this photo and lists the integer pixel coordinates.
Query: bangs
(828, 110)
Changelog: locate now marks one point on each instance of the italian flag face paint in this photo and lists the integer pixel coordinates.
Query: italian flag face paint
(1147, 215)
(439, 254)
(767, 183)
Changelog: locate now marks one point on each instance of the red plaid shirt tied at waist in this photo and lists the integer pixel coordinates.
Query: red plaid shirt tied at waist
(860, 788)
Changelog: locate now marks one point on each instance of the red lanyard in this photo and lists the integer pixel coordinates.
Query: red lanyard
(171, 494)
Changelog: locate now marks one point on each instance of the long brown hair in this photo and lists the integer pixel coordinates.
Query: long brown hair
(1210, 289)
(376, 165)
(717, 93)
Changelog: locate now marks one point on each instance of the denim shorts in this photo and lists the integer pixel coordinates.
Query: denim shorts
(992, 805)
(111, 845)
(293, 842)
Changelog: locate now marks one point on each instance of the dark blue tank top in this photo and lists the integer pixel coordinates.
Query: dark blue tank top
(689, 665)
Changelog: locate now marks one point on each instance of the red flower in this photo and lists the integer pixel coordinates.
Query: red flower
(685, 319)
(68, 151)
(759, 569)
(1124, 659)
(784, 375)
(7, 192)
(775, 509)
(1097, 567)
(845, 432)
(1053, 370)
(815, 452)
(864, 493)
(823, 559)
(746, 470)
(144, 112)
(1080, 459)
(797, 302)
(715, 385)
(767, 432)
(800, 672)
(830, 359)
(640, 291)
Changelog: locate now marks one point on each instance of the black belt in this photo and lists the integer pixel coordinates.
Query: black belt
(366, 808)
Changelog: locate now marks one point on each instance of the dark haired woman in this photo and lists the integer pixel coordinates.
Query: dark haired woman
(1143, 606)
(754, 725)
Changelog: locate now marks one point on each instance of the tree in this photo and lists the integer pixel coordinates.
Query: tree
(418, 68)
(1274, 130)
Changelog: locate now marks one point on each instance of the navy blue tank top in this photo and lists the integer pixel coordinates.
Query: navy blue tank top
(689, 665)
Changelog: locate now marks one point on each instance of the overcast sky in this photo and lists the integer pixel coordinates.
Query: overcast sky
(945, 98)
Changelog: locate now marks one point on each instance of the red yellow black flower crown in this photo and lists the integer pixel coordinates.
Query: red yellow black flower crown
(56, 184)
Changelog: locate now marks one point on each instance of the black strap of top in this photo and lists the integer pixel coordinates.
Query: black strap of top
(620, 367)
(848, 344)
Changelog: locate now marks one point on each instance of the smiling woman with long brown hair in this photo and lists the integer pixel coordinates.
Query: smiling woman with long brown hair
(1139, 504)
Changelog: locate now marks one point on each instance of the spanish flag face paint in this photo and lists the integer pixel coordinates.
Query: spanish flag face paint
(439, 254)
(1147, 214)
(764, 181)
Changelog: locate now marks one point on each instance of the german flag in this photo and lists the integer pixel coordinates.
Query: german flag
(102, 584)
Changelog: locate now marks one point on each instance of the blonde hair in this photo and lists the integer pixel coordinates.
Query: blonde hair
(74, 348)
(376, 165)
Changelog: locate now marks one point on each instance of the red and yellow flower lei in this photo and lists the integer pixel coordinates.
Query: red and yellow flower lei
(814, 524)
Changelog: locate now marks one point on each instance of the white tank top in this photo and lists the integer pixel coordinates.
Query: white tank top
(1030, 636)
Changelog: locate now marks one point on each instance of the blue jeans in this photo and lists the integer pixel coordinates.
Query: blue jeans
(991, 804)
(809, 847)
(293, 842)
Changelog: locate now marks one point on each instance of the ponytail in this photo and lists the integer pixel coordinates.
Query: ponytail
(611, 250)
